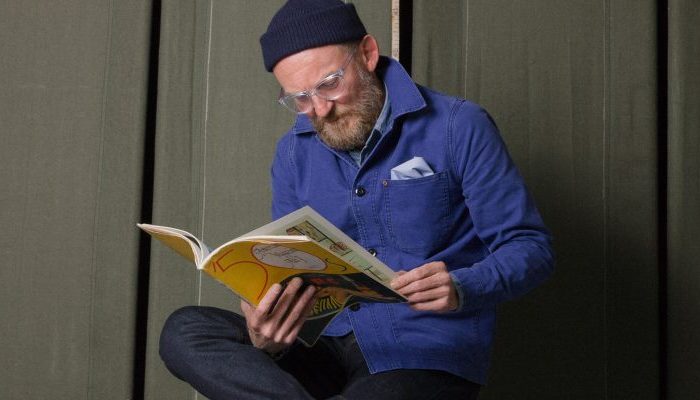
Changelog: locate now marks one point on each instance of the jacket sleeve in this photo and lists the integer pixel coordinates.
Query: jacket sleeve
(503, 212)
(284, 199)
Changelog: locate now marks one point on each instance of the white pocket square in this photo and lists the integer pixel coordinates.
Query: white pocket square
(411, 169)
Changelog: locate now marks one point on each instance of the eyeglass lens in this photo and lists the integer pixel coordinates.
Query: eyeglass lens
(330, 88)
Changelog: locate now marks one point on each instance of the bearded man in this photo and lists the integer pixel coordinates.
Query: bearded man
(423, 181)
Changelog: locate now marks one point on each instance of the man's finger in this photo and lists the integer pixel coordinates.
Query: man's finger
(286, 299)
(268, 301)
(256, 316)
(296, 313)
(426, 283)
(407, 278)
(416, 274)
(294, 331)
(246, 308)
(428, 295)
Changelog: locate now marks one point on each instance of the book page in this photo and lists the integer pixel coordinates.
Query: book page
(302, 244)
(250, 266)
(184, 243)
(308, 222)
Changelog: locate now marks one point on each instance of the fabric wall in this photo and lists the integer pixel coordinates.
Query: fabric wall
(218, 122)
(572, 86)
(575, 87)
(683, 200)
(73, 79)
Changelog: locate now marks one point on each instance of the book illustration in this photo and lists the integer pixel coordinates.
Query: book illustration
(338, 290)
(286, 257)
(250, 268)
(307, 229)
(306, 221)
(341, 270)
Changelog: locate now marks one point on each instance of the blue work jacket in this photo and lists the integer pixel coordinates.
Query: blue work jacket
(474, 213)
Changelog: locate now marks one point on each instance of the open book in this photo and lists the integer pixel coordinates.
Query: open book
(301, 244)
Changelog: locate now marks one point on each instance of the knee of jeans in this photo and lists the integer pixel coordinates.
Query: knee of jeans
(173, 345)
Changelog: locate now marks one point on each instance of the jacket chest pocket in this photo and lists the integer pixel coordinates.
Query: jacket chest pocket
(417, 212)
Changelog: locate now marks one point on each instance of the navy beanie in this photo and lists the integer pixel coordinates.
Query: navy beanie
(304, 24)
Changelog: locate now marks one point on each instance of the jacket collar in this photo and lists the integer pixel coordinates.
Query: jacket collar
(405, 96)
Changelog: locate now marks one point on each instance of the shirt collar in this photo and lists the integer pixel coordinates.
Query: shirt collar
(383, 118)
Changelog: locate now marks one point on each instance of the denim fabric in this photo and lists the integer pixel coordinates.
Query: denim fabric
(209, 348)
(474, 213)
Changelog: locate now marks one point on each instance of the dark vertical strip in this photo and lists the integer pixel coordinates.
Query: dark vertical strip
(406, 34)
(662, 182)
(139, 370)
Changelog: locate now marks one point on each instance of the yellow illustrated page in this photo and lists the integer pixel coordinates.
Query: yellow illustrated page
(180, 245)
(249, 268)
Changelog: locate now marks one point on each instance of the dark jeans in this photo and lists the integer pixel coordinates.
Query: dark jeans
(210, 349)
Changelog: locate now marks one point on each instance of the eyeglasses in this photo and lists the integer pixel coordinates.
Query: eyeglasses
(329, 88)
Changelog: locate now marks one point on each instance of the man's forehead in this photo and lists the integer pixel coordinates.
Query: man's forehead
(300, 70)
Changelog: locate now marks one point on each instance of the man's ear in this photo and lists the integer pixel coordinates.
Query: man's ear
(369, 52)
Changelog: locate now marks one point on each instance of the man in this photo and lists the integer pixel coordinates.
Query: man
(423, 181)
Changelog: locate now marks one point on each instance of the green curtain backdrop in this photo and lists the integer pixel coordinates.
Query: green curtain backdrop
(683, 199)
(218, 122)
(573, 91)
(73, 79)
(575, 87)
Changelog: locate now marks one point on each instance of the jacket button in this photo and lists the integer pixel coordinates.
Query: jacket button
(372, 252)
(354, 307)
(360, 191)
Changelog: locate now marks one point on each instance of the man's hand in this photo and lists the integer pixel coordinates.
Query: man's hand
(274, 324)
(428, 288)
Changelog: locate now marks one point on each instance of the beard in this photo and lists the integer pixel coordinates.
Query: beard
(349, 129)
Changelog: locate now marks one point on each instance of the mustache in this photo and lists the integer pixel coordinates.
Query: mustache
(333, 117)
(328, 119)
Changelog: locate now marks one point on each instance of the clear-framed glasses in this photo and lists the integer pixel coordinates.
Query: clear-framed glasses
(329, 88)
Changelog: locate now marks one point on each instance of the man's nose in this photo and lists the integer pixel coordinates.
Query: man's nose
(321, 106)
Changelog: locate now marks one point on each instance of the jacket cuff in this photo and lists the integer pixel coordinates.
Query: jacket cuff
(473, 282)
(460, 293)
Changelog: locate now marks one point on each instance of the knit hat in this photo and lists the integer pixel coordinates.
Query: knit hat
(304, 24)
